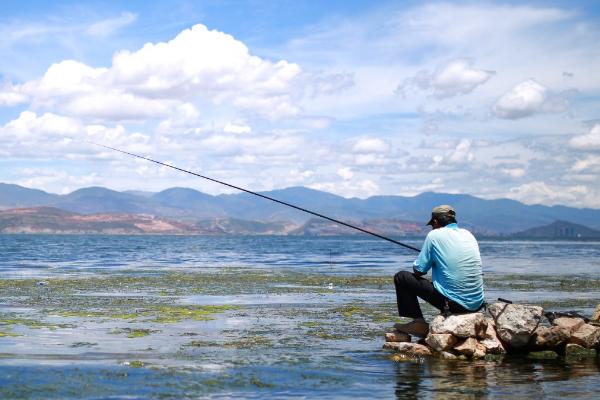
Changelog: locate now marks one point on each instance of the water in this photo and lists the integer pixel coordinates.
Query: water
(292, 317)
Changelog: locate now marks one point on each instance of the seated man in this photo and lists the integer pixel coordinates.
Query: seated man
(453, 256)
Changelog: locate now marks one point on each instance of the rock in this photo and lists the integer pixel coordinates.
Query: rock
(441, 341)
(490, 331)
(515, 323)
(470, 347)
(568, 323)
(587, 336)
(493, 346)
(462, 326)
(550, 337)
(446, 355)
(408, 349)
(596, 314)
(543, 355)
(576, 351)
(397, 337)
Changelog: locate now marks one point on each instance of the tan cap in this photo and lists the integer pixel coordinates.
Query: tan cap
(444, 209)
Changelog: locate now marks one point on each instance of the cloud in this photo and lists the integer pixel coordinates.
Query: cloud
(370, 146)
(109, 26)
(588, 164)
(236, 129)
(590, 141)
(513, 172)
(345, 173)
(198, 64)
(458, 77)
(528, 98)
(538, 192)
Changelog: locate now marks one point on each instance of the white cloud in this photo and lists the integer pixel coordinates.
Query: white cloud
(370, 146)
(236, 129)
(458, 77)
(197, 64)
(588, 164)
(111, 25)
(521, 101)
(513, 172)
(345, 173)
(590, 141)
(541, 193)
(528, 98)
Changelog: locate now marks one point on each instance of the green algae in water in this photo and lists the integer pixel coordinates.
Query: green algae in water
(172, 314)
(8, 334)
(133, 333)
(10, 321)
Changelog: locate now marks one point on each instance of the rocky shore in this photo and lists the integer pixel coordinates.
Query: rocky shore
(504, 329)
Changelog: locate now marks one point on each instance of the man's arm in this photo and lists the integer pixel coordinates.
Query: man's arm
(423, 263)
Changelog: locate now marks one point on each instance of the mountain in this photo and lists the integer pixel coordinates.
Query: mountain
(490, 217)
(53, 220)
(14, 196)
(559, 230)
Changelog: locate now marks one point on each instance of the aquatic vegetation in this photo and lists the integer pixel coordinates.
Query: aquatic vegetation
(8, 334)
(133, 332)
(174, 313)
(10, 320)
(135, 364)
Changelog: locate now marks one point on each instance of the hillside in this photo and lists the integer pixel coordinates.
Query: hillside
(559, 230)
(489, 217)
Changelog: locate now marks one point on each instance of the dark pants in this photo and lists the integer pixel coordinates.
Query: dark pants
(409, 287)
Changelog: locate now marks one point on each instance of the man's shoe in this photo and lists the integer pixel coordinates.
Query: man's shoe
(415, 328)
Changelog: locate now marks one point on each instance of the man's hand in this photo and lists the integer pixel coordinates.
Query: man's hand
(418, 273)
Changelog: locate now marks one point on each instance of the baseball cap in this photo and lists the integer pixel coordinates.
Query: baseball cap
(444, 209)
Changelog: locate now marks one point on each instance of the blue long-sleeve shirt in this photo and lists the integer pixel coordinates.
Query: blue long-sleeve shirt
(452, 253)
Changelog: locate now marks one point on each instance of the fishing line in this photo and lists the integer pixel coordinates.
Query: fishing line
(263, 196)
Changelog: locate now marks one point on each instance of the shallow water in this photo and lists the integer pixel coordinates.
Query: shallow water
(258, 317)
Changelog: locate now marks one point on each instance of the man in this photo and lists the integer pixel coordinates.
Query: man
(453, 256)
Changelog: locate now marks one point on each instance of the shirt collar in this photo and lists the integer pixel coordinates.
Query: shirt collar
(453, 225)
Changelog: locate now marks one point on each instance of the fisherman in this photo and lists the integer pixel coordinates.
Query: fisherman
(452, 253)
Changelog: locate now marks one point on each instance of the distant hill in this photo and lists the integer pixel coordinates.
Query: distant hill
(489, 217)
(386, 227)
(559, 230)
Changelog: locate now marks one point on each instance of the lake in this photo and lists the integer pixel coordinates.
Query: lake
(128, 317)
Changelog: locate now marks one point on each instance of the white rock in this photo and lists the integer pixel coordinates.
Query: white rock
(410, 349)
(462, 326)
(397, 337)
(515, 323)
(441, 341)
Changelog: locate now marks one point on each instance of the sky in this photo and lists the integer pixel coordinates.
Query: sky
(357, 98)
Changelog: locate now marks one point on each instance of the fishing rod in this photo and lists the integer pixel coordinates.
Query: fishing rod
(263, 196)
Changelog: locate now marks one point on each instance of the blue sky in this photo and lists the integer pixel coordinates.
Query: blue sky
(359, 98)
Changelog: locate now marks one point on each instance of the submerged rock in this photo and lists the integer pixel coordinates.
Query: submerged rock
(397, 337)
(575, 350)
(543, 355)
(515, 323)
(408, 349)
(462, 326)
(470, 347)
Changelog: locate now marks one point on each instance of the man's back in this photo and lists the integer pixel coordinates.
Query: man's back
(453, 255)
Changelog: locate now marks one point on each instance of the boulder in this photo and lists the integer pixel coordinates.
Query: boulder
(408, 349)
(569, 323)
(490, 340)
(470, 347)
(441, 341)
(515, 323)
(550, 337)
(397, 337)
(490, 331)
(587, 336)
(596, 314)
(462, 326)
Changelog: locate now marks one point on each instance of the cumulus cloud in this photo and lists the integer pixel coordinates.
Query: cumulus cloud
(345, 173)
(236, 128)
(197, 64)
(590, 141)
(588, 164)
(458, 77)
(528, 98)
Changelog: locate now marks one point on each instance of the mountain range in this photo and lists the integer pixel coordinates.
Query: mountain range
(501, 216)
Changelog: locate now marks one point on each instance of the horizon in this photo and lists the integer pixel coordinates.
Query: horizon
(357, 99)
